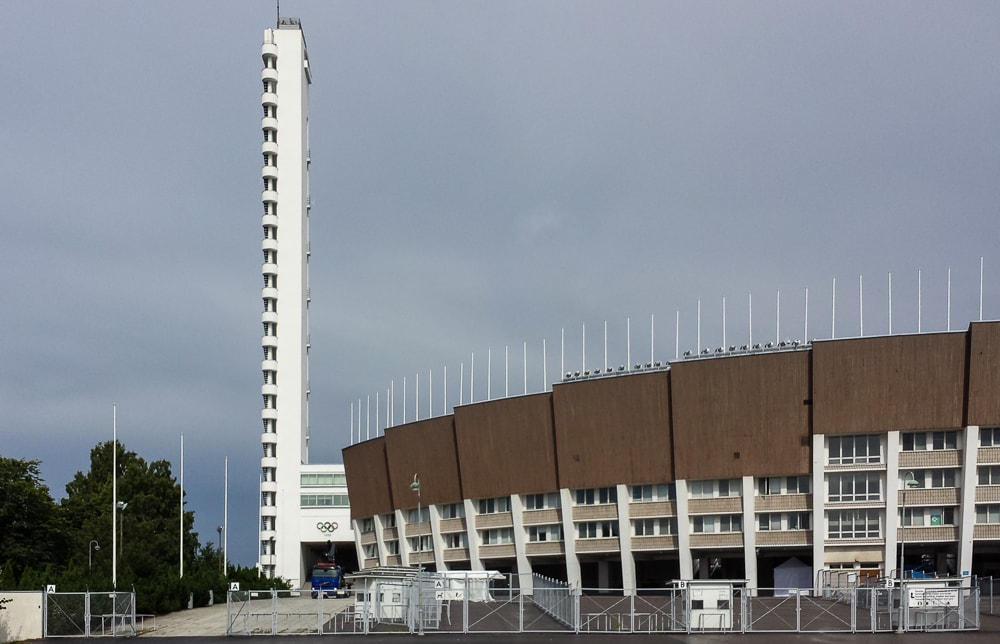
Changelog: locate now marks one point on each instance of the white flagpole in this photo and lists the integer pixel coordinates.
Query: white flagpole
(404, 400)
(724, 321)
(562, 352)
(445, 388)
(378, 405)
(833, 312)
(583, 358)
(392, 406)
(750, 317)
(980, 288)
(628, 342)
(920, 302)
(524, 365)
(225, 521)
(777, 317)
(359, 420)
(461, 383)
(388, 408)
(605, 345)
(489, 373)
(949, 298)
(652, 336)
(416, 397)
(805, 325)
(114, 497)
(890, 302)
(181, 557)
(472, 379)
(506, 371)
(368, 417)
(699, 326)
(430, 393)
(352, 422)
(861, 305)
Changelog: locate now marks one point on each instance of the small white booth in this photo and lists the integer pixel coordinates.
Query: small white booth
(709, 603)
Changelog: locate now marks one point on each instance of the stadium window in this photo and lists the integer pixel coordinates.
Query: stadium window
(541, 501)
(851, 450)
(495, 505)
(594, 496)
(452, 510)
(989, 474)
(988, 513)
(709, 524)
(544, 533)
(389, 520)
(854, 524)
(922, 441)
(597, 529)
(989, 437)
(855, 486)
(497, 536)
(660, 492)
(455, 540)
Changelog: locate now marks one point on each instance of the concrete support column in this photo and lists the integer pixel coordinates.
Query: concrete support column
(625, 541)
(380, 538)
(749, 534)
(683, 531)
(569, 538)
(436, 541)
(404, 543)
(472, 536)
(520, 545)
(967, 511)
(893, 522)
(818, 502)
(356, 526)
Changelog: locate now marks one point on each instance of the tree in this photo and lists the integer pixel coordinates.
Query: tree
(147, 529)
(32, 533)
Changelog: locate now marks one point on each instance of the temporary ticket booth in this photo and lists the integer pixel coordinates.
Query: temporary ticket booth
(709, 603)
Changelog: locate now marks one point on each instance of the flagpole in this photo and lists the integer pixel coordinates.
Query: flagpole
(181, 555)
(114, 497)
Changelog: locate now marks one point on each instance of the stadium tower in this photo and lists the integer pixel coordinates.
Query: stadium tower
(285, 342)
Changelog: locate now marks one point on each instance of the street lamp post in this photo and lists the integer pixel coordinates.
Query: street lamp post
(90, 553)
(121, 528)
(221, 564)
(415, 486)
(909, 480)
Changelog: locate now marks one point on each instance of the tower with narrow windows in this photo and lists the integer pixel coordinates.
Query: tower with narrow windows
(285, 294)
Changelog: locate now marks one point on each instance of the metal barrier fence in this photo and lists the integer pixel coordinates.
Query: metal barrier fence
(404, 606)
(989, 589)
(89, 614)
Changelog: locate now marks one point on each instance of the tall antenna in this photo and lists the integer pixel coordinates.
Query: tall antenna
(277, 12)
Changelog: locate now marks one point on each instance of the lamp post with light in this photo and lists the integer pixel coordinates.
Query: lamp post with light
(90, 553)
(415, 486)
(909, 480)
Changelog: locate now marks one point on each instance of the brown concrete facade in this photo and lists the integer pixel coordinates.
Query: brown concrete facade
(719, 417)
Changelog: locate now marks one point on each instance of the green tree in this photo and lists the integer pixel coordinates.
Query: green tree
(147, 529)
(32, 533)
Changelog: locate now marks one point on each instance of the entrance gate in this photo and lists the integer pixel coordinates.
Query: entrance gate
(89, 614)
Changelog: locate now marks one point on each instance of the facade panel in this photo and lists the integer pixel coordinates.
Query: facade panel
(613, 430)
(427, 448)
(742, 416)
(506, 446)
(368, 478)
(984, 377)
(909, 382)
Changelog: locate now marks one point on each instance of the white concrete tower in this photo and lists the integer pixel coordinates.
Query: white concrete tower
(285, 413)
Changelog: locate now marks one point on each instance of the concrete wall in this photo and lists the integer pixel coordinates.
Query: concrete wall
(21, 618)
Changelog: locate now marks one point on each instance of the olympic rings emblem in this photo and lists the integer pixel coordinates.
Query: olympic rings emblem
(327, 526)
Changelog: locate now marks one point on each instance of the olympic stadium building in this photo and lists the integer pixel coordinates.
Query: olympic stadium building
(841, 454)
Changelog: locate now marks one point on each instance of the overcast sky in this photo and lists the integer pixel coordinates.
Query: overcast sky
(484, 174)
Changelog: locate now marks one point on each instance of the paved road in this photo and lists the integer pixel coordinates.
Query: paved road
(204, 624)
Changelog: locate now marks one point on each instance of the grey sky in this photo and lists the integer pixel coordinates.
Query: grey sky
(484, 174)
